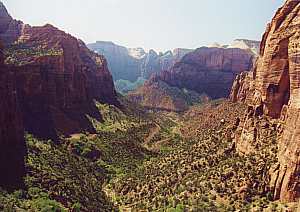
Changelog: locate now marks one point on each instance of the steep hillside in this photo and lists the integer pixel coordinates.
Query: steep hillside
(272, 90)
(161, 96)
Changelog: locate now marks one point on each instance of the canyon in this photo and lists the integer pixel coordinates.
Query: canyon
(210, 129)
(131, 67)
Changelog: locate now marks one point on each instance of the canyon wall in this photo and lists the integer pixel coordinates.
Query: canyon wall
(132, 63)
(57, 78)
(272, 89)
(208, 70)
(12, 142)
(204, 74)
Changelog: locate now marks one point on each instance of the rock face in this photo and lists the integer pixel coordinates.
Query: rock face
(132, 63)
(273, 90)
(243, 88)
(154, 63)
(58, 78)
(208, 70)
(124, 63)
(10, 29)
(12, 144)
(206, 73)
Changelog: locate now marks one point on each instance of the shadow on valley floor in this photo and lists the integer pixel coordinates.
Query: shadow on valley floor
(50, 122)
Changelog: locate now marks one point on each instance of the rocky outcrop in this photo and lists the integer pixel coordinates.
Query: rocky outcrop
(132, 63)
(208, 70)
(12, 144)
(243, 88)
(58, 79)
(276, 95)
(10, 29)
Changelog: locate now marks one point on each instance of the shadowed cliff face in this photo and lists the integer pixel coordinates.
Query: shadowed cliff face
(12, 144)
(273, 89)
(58, 79)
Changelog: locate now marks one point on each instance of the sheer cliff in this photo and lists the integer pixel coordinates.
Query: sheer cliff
(12, 142)
(272, 90)
(57, 77)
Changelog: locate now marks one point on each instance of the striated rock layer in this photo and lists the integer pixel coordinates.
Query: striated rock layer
(12, 144)
(208, 70)
(274, 90)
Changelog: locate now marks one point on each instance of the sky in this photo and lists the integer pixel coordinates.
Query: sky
(152, 24)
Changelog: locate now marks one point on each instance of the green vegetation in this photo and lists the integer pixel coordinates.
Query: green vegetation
(20, 54)
(198, 173)
(57, 179)
(139, 161)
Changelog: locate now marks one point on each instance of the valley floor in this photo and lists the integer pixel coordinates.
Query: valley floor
(149, 161)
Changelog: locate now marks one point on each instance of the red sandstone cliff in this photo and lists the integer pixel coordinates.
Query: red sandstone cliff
(12, 142)
(208, 70)
(273, 90)
(206, 73)
(58, 78)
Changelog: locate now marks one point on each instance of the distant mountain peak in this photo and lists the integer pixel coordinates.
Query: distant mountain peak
(3, 9)
(137, 53)
(4, 15)
(252, 45)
